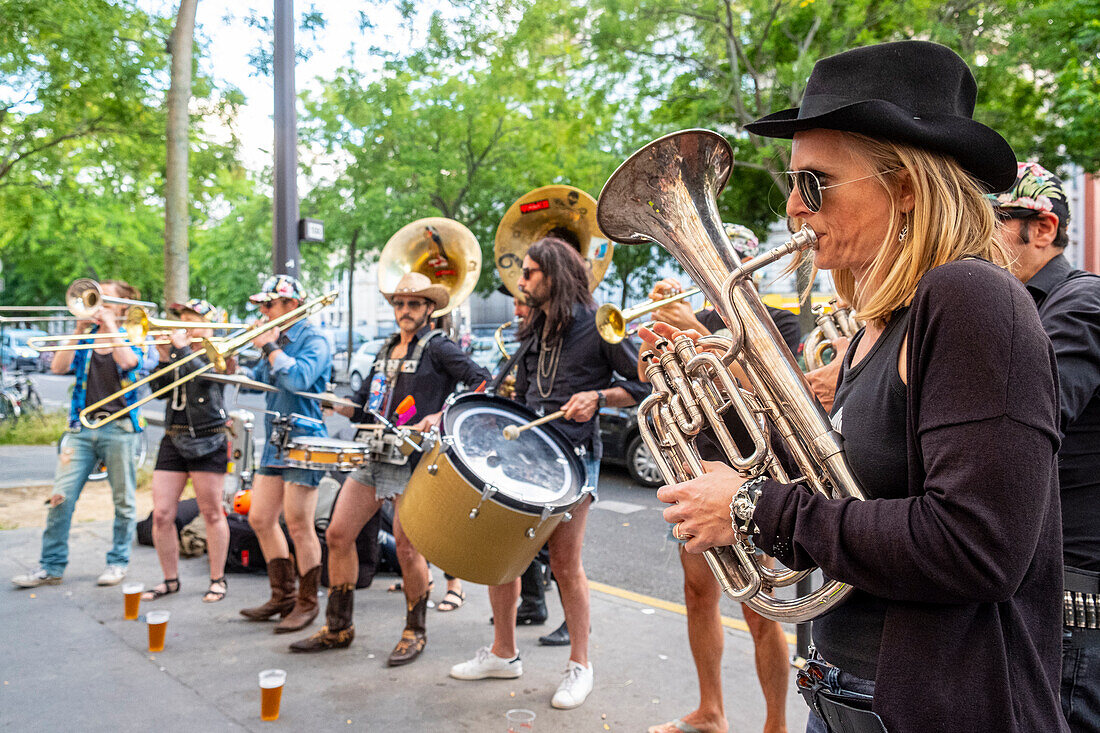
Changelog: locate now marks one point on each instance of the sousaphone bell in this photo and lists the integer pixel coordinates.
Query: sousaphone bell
(442, 249)
(556, 210)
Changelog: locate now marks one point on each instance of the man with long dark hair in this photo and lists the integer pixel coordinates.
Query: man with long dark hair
(563, 365)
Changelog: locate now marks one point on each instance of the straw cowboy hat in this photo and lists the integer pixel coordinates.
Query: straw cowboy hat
(413, 283)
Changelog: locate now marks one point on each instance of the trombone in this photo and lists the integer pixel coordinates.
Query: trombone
(216, 355)
(611, 322)
(80, 347)
(84, 297)
(138, 324)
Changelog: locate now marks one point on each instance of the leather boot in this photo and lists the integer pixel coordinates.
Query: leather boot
(280, 573)
(306, 607)
(532, 605)
(338, 630)
(415, 635)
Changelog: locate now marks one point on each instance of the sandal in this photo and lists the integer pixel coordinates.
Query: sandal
(170, 585)
(447, 604)
(213, 596)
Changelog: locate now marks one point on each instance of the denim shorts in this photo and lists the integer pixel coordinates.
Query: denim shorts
(301, 476)
(389, 480)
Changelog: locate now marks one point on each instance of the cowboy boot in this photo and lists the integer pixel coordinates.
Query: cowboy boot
(280, 573)
(338, 630)
(415, 635)
(305, 608)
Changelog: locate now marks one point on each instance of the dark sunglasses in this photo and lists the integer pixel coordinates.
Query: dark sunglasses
(528, 271)
(410, 304)
(809, 186)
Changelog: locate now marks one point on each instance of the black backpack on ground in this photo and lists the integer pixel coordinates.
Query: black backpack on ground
(186, 511)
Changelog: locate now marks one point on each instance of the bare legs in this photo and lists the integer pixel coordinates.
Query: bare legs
(706, 639)
(270, 497)
(167, 489)
(565, 560)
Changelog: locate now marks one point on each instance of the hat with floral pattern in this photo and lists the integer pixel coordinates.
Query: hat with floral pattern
(280, 286)
(1036, 190)
(745, 243)
(201, 308)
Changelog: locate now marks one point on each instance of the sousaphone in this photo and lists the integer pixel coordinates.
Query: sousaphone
(539, 213)
(443, 249)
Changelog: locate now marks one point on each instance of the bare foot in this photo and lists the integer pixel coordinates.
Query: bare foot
(694, 720)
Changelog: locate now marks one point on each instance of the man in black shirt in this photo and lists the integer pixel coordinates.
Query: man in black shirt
(1034, 215)
(563, 364)
(412, 376)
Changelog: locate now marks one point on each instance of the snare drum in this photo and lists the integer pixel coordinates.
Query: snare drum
(324, 454)
(480, 507)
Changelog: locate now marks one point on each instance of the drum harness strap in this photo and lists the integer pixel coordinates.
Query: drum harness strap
(385, 447)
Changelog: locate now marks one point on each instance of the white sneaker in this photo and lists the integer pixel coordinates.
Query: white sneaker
(113, 575)
(574, 687)
(35, 579)
(486, 664)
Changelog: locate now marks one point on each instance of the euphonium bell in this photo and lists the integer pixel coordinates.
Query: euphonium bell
(667, 193)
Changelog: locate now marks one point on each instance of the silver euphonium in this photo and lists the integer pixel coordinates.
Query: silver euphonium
(667, 193)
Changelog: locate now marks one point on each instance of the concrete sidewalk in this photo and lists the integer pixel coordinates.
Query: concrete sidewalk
(71, 662)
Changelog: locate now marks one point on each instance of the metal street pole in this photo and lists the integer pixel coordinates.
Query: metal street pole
(285, 199)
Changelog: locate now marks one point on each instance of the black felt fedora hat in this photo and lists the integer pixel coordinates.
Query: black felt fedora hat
(913, 92)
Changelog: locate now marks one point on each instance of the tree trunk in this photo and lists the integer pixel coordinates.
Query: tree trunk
(176, 194)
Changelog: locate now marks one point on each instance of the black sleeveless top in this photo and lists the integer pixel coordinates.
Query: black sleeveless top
(869, 413)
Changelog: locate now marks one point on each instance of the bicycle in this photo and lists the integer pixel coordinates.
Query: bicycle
(18, 397)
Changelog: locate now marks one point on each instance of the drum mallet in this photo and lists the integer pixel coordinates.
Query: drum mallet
(511, 432)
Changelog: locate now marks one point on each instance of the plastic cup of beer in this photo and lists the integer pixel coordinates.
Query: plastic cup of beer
(520, 721)
(132, 593)
(271, 693)
(158, 625)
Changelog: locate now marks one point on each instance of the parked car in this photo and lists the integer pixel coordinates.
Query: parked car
(361, 362)
(338, 340)
(14, 351)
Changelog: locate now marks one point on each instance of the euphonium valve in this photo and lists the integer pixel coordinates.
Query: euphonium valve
(667, 193)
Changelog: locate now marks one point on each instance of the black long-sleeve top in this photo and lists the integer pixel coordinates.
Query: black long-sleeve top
(203, 403)
(1069, 309)
(443, 365)
(970, 561)
(587, 362)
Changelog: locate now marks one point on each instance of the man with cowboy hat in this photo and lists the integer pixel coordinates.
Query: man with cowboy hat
(415, 371)
(298, 359)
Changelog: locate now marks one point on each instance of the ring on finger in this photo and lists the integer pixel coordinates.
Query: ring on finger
(679, 534)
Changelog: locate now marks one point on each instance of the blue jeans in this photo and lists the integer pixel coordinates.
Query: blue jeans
(1081, 679)
(117, 448)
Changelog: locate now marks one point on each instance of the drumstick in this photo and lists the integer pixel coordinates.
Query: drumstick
(512, 432)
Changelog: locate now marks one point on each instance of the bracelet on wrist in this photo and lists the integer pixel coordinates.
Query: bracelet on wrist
(268, 349)
(743, 505)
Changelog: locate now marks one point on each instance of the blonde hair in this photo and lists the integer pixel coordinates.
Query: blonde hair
(951, 219)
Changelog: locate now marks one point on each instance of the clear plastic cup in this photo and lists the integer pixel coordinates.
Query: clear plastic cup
(520, 721)
(271, 693)
(131, 592)
(158, 625)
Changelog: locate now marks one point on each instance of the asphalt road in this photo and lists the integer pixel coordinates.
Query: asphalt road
(626, 543)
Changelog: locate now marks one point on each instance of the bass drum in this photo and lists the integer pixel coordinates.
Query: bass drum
(480, 507)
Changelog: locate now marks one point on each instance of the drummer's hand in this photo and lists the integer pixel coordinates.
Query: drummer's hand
(703, 506)
(427, 423)
(581, 406)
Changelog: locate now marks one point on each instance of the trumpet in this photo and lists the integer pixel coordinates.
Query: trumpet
(831, 325)
(611, 321)
(139, 324)
(216, 354)
(84, 298)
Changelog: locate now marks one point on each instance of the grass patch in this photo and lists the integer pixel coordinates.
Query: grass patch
(35, 429)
